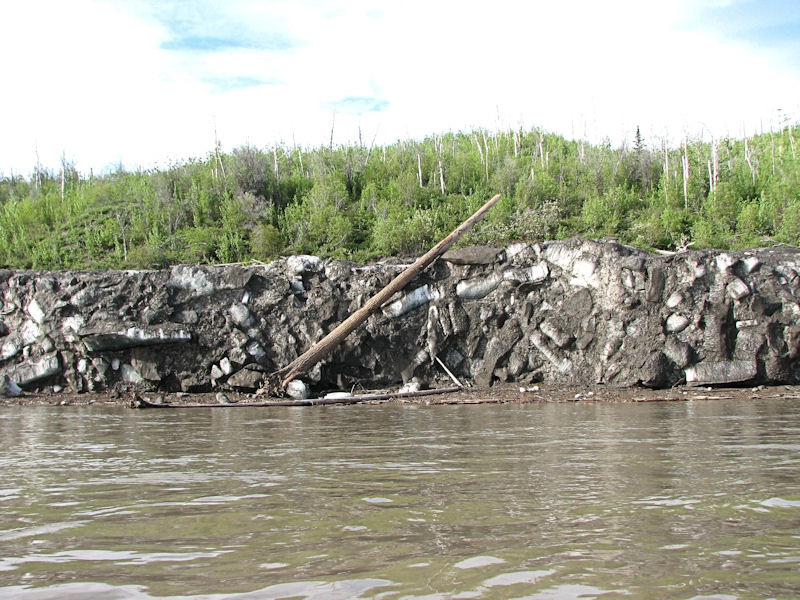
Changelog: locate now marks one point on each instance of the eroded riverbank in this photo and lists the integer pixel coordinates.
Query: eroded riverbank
(576, 313)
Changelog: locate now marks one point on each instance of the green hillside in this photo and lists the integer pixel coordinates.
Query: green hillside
(362, 202)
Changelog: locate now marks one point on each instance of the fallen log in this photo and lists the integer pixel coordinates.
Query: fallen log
(278, 380)
(139, 402)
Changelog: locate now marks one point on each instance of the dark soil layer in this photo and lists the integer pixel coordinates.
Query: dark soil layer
(563, 313)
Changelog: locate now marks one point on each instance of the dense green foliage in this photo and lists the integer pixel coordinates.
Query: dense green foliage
(361, 203)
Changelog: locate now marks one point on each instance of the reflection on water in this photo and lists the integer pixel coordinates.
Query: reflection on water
(672, 500)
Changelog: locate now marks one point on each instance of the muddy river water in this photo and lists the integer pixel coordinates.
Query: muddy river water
(547, 501)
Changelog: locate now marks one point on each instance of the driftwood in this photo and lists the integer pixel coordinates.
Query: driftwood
(139, 402)
(305, 362)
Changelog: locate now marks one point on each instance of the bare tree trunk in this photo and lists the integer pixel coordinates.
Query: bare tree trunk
(772, 144)
(371, 146)
(685, 161)
(749, 160)
(63, 175)
(123, 223)
(360, 149)
(710, 179)
(541, 149)
(486, 145)
(325, 346)
(715, 163)
(37, 181)
(217, 156)
(666, 172)
(419, 166)
(439, 153)
(478, 144)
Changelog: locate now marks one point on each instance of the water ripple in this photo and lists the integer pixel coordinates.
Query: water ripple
(537, 501)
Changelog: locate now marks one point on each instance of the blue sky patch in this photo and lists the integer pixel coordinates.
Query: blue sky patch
(242, 82)
(356, 105)
(762, 23)
(201, 26)
(212, 43)
(196, 43)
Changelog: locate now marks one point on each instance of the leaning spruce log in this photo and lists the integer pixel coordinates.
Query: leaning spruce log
(325, 346)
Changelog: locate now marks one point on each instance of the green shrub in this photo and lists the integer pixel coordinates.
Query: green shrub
(266, 241)
(318, 223)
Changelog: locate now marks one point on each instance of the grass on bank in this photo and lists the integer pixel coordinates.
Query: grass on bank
(361, 203)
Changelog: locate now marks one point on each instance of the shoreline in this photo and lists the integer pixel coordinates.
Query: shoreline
(499, 394)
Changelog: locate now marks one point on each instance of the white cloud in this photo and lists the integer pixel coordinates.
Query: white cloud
(97, 80)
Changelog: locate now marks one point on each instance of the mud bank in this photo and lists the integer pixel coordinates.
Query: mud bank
(581, 312)
(502, 393)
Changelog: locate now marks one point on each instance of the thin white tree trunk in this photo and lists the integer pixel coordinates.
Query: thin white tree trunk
(486, 164)
(666, 172)
(480, 150)
(749, 160)
(63, 175)
(419, 166)
(685, 161)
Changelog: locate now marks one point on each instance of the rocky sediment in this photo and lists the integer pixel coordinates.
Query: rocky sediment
(580, 312)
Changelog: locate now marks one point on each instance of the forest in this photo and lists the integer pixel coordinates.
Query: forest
(363, 202)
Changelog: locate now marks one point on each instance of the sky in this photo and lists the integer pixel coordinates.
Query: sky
(148, 83)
